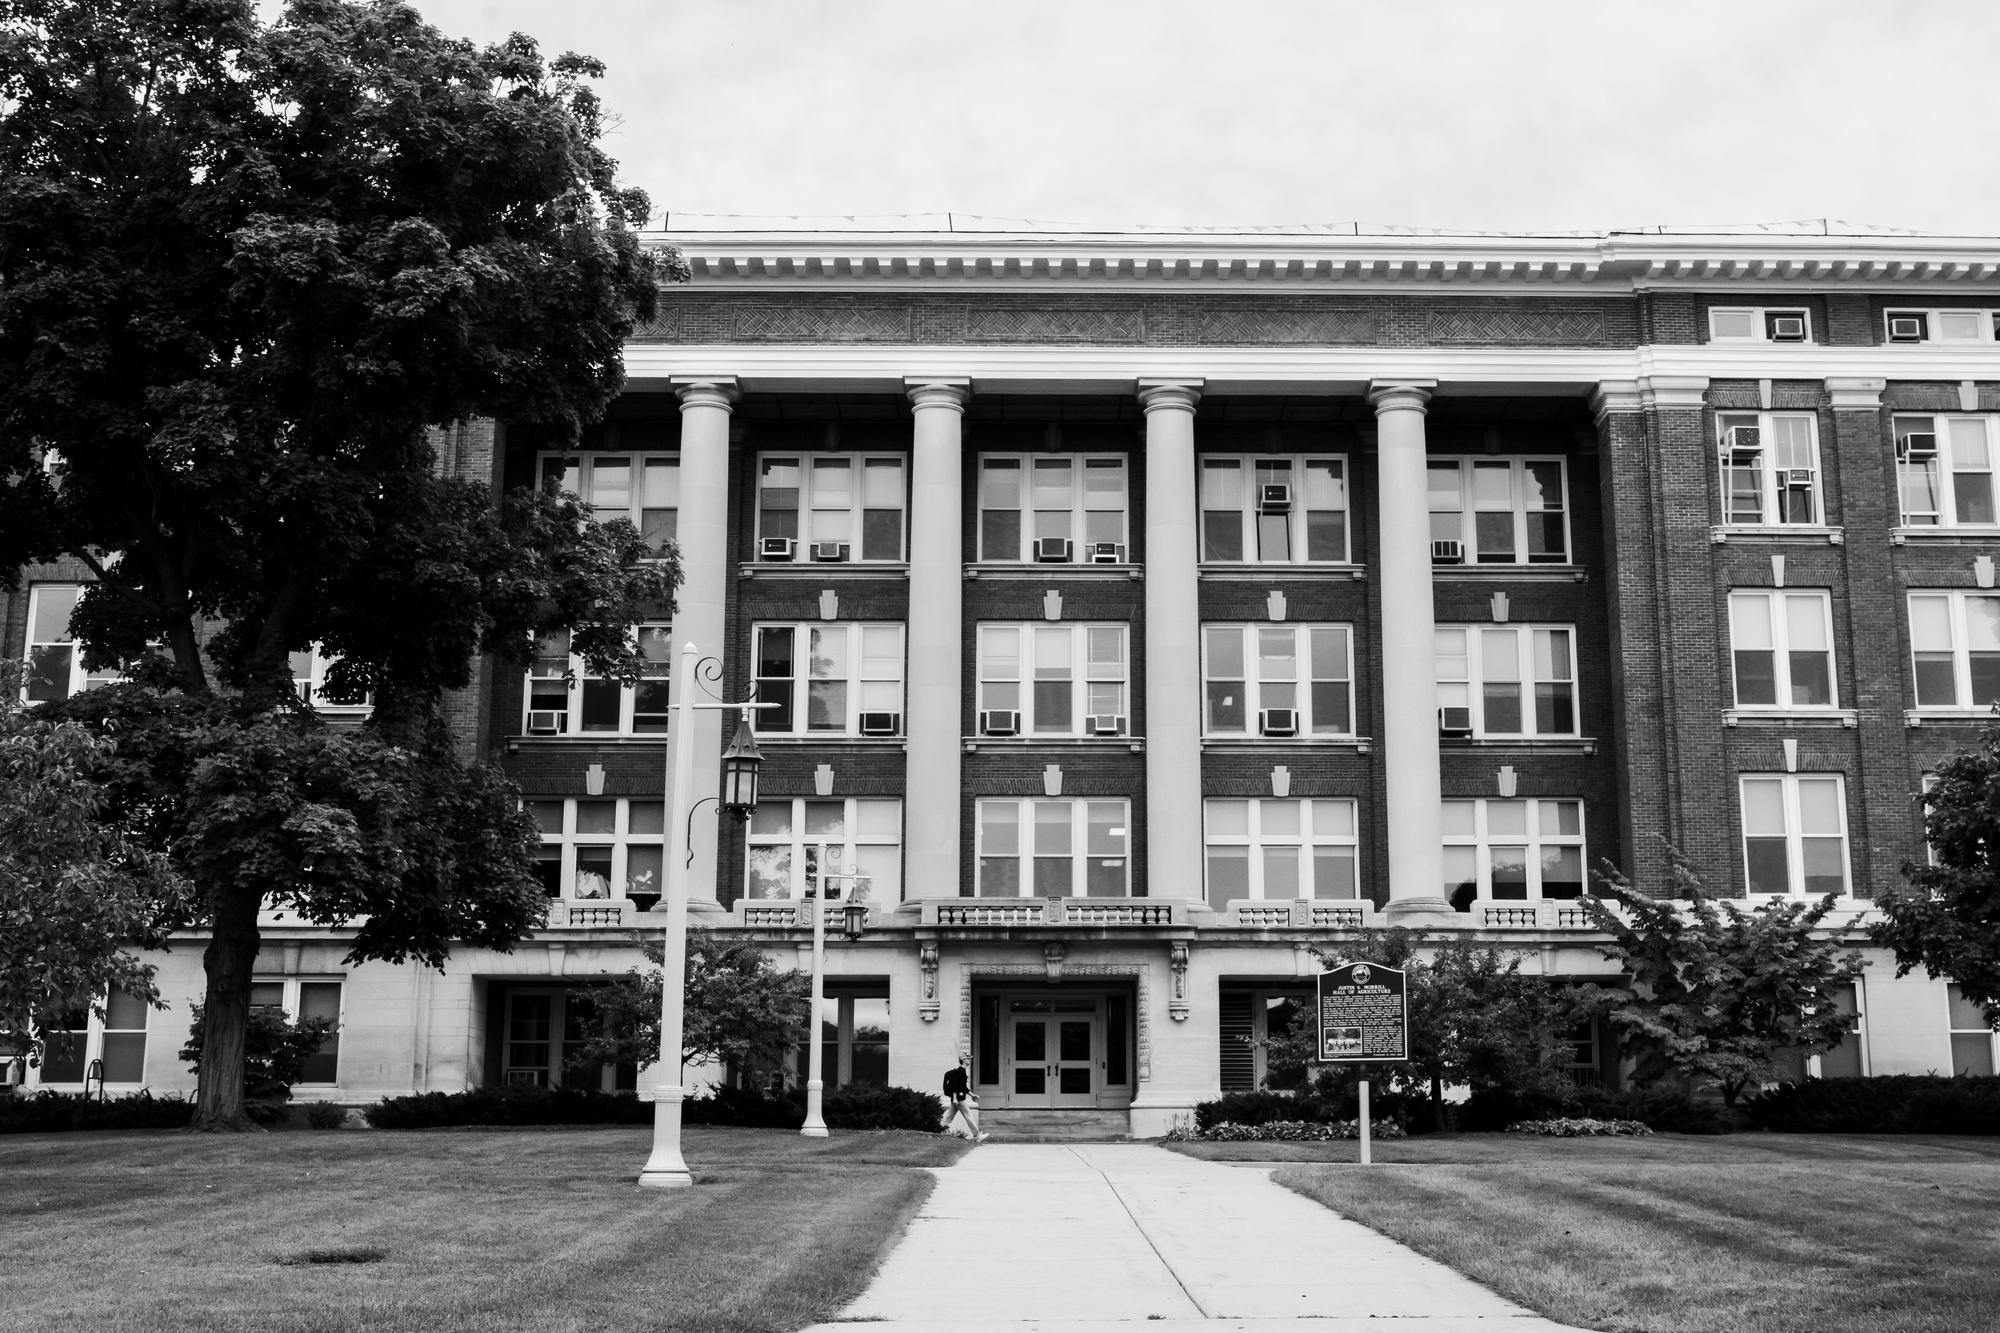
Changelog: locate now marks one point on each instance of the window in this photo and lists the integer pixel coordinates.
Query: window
(1955, 648)
(834, 680)
(854, 1037)
(1278, 680)
(1795, 833)
(1500, 511)
(309, 679)
(1943, 326)
(1053, 508)
(645, 488)
(1759, 324)
(55, 659)
(1972, 1036)
(299, 999)
(563, 699)
(1781, 644)
(1512, 850)
(1279, 849)
(116, 1038)
(1770, 468)
(1507, 680)
(1053, 849)
(792, 840)
(1249, 1018)
(601, 848)
(830, 507)
(1269, 509)
(1944, 471)
(1052, 680)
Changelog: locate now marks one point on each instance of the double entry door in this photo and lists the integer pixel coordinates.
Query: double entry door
(1060, 1051)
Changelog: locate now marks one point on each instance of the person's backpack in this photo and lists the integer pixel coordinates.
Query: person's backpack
(955, 1082)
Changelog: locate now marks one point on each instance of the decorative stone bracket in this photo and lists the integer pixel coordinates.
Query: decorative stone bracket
(1177, 997)
(927, 961)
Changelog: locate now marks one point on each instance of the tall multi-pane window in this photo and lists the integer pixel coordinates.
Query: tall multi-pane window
(1955, 648)
(1279, 849)
(1053, 680)
(830, 507)
(299, 998)
(829, 679)
(564, 699)
(1500, 511)
(1273, 509)
(1277, 680)
(1944, 471)
(856, 843)
(1507, 680)
(645, 488)
(1781, 648)
(1052, 508)
(117, 1038)
(606, 848)
(1972, 1037)
(1511, 850)
(1795, 833)
(1770, 468)
(1053, 848)
(54, 666)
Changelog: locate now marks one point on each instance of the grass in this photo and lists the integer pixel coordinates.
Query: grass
(1754, 1233)
(507, 1230)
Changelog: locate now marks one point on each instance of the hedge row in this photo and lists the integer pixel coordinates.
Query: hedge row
(1888, 1104)
(1412, 1114)
(55, 1112)
(1581, 1129)
(1290, 1131)
(1658, 1109)
(858, 1106)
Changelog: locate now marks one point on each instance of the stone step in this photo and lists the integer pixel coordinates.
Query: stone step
(1043, 1126)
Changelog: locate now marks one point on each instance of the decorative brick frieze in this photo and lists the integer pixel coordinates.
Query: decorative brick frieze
(1055, 324)
(821, 323)
(1262, 324)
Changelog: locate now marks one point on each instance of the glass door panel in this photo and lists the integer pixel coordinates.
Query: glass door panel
(1073, 1056)
(1031, 1053)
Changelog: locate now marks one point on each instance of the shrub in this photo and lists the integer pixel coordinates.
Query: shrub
(326, 1115)
(746, 1107)
(1322, 1105)
(1888, 1104)
(1287, 1131)
(56, 1112)
(871, 1106)
(1661, 1109)
(1580, 1128)
(509, 1106)
(275, 1051)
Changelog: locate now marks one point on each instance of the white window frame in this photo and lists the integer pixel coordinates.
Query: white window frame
(620, 839)
(1076, 514)
(1956, 1027)
(1773, 601)
(1253, 472)
(1789, 786)
(646, 465)
(843, 524)
(1464, 527)
(1090, 681)
(1968, 324)
(311, 685)
(1469, 689)
(94, 1031)
(290, 1004)
(1758, 329)
(1955, 601)
(1026, 851)
(1536, 811)
(1308, 641)
(1942, 469)
(1771, 469)
(862, 680)
(78, 679)
(576, 678)
(1324, 824)
(868, 864)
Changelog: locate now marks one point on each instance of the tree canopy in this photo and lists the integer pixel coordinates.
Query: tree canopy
(740, 1008)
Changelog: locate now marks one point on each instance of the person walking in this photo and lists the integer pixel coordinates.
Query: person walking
(964, 1106)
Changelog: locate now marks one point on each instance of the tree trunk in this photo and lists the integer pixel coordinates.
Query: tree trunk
(1437, 1103)
(229, 961)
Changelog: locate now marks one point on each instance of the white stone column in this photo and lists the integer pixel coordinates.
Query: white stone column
(698, 611)
(1173, 642)
(1409, 663)
(935, 692)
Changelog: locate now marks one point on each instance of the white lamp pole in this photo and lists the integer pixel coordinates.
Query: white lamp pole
(815, 1125)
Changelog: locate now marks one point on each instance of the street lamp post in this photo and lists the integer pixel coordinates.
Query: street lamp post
(815, 1123)
(666, 1168)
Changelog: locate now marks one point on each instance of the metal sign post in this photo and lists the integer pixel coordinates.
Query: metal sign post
(1364, 1018)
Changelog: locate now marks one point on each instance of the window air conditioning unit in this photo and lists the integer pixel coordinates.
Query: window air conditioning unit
(1107, 553)
(1278, 721)
(776, 548)
(1000, 722)
(1448, 552)
(1785, 328)
(1906, 328)
(1052, 550)
(881, 724)
(830, 551)
(546, 722)
(1742, 440)
(1798, 476)
(1454, 721)
(1106, 724)
(1917, 447)
(524, 1078)
(1275, 498)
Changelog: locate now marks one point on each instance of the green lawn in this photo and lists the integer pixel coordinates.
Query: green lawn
(1751, 1233)
(540, 1231)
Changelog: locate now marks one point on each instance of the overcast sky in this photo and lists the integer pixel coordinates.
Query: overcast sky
(1513, 115)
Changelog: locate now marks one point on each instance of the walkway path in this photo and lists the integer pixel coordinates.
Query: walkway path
(1130, 1238)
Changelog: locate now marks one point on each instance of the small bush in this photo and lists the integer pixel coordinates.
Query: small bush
(58, 1112)
(326, 1115)
(1581, 1128)
(871, 1106)
(1287, 1131)
(746, 1107)
(509, 1106)
(1888, 1104)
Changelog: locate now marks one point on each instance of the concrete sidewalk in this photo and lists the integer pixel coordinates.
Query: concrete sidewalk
(1130, 1238)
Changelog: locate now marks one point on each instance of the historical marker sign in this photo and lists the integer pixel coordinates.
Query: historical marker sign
(1364, 1014)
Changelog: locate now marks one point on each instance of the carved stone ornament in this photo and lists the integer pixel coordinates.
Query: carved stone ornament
(1177, 1000)
(1053, 954)
(927, 961)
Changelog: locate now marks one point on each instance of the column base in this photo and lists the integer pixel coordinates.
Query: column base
(1421, 912)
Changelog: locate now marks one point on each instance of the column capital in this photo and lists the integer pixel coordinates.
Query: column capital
(1179, 395)
(705, 390)
(1613, 397)
(1674, 391)
(930, 391)
(1857, 394)
(1400, 395)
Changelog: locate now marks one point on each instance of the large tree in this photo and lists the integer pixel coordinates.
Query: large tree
(1947, 917)
(247, 270)
(741, 1008)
